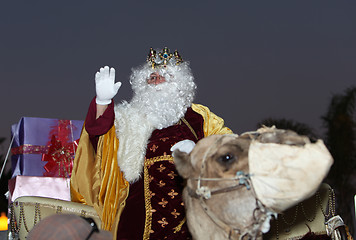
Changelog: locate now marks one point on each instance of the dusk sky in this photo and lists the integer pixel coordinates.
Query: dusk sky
(251, 59)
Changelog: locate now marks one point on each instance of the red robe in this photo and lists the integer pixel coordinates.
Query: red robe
(154, 208)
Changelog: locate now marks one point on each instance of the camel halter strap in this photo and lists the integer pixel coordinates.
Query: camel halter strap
(241, 177)
(203, 193)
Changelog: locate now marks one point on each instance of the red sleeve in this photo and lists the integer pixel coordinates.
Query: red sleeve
(97, 127)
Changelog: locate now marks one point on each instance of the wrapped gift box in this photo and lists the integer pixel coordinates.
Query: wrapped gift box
(51, 187)
(44, 147)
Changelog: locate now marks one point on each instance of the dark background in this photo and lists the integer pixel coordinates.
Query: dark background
(252, 59)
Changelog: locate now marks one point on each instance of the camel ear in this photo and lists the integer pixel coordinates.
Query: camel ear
(182, 162)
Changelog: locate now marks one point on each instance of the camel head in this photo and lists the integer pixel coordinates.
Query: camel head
(221, 173)
(217, 174)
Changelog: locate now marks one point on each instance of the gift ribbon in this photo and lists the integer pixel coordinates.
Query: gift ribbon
(59, 158)
(29, 149)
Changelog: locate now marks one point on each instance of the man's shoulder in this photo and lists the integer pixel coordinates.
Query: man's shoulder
(213, 124)
(199, 108)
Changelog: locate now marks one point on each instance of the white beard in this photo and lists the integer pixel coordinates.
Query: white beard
(162, 104)
(152, 107)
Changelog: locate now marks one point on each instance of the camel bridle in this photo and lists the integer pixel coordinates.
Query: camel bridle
(203, 193)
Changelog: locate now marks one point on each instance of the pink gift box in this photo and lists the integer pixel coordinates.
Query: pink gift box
(51, 187)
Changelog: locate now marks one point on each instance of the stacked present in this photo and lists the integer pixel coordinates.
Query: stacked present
(42, 157)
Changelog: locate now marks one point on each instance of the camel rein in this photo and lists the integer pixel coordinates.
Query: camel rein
(204, 193)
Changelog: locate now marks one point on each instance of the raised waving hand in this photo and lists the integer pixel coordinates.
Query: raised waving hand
(105, 85)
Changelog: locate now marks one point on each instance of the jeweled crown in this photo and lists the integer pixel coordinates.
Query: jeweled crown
(162, 59)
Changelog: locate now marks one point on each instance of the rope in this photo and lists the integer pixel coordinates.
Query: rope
(7, 155)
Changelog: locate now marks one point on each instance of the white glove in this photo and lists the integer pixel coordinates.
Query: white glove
(183, 146)
(105, 85)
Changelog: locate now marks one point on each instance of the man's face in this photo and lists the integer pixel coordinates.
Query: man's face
(155, 79)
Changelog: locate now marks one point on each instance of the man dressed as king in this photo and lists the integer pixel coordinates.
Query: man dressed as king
(124, 166)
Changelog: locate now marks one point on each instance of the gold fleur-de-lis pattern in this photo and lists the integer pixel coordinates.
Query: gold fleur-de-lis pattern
(154, 148)
(161, 168)
(172, 174)
(152, 193)
(163, 197)
(161, 183)
(175, 213)
(165, 213)
(163, 203)
(172, 193)
(163, 222)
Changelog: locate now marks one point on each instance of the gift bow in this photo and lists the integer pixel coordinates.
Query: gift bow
(59, 158)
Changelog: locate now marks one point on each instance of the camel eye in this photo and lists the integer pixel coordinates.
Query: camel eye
(227, 158)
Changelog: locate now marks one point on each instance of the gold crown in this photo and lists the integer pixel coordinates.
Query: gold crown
(163, 58)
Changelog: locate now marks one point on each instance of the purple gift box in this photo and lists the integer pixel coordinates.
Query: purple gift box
(44, 147)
